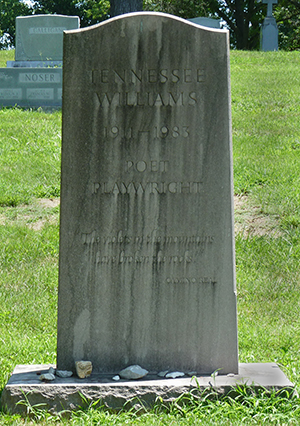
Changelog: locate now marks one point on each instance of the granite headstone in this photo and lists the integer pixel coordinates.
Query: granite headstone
(34, 79)
(31, 87)
(40, 37)
(206, 22)
(147, 268)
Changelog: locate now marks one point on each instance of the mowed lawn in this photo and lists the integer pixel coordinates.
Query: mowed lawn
(266, 145)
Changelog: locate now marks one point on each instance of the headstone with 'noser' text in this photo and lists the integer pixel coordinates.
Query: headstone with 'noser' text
(146, 236)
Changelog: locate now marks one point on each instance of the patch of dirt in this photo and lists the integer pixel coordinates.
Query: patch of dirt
(49, 202)
(34, 216)
(45, 203)
(250, 221)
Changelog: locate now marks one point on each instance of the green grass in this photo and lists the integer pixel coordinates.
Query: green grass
(29, 155)
(6, 55)
(266, 144)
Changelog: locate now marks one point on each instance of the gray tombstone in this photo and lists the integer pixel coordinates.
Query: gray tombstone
(206, 22)
(269, 29)
(34, 79)
(40, 37)
(147, 269)
(31, 87)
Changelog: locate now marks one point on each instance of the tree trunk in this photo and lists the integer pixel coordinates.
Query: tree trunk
(242, 26)
(118, 7)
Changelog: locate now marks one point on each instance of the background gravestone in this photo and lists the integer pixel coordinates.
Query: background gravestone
(146, 234)
(269, 29)
(40, 37)
(206, 22)
(34, 79)
(31, 87)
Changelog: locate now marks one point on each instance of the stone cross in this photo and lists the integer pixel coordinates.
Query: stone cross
(270, 6)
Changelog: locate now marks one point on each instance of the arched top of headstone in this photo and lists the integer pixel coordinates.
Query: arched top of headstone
(140, 39)
(140, 16)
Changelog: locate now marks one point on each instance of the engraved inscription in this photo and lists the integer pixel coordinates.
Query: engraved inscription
(157, 132)
(40, 93)
(47, 30)
(147, 187)
(143, 80)
(149, 166)
(185, 280)
(120, 238)
(10, 94)
(162, 252)
(39, 77)
(142, 99)
(152, 76)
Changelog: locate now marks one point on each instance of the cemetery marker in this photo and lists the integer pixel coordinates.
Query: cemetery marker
(146, 244)
(146, 237)
(269, 29)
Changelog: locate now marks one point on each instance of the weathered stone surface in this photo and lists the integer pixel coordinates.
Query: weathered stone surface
(133, 372)
(83, 369)
(40, 37)
(73, 393)
(146, 236)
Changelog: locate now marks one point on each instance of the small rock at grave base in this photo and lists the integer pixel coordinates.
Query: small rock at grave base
(64, 373)
(83, 369)
(117, 377)
(51, 370)
(230, 375)
(47, 377)
(163, 373)
(133, 372)
(174, 375)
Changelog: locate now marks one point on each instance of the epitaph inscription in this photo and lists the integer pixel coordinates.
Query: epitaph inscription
(146, 245)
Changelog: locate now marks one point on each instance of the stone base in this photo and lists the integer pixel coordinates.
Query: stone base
(74, 393)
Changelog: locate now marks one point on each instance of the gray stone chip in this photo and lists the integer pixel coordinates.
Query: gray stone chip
(133, 372)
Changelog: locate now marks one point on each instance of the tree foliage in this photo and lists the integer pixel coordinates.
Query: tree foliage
(287, 15)
(242, 17)
(89, 11)
(9, 10)
(118, 7)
